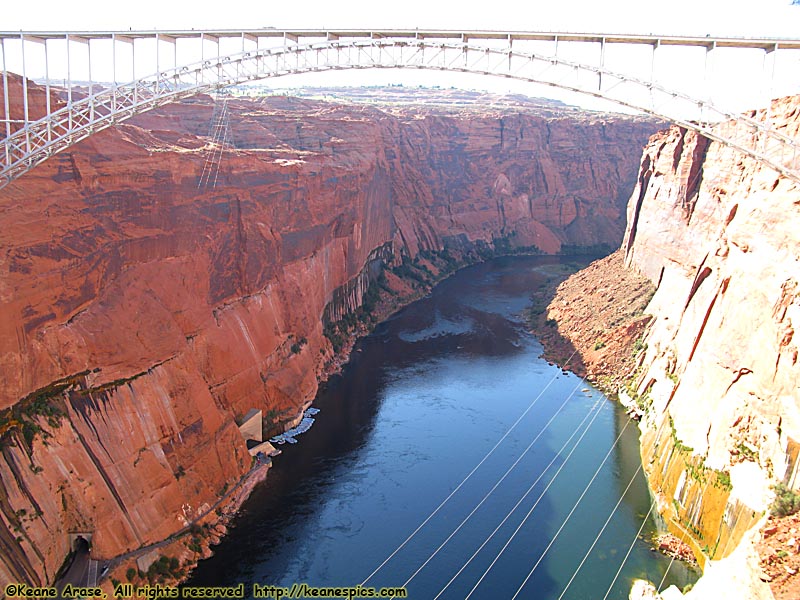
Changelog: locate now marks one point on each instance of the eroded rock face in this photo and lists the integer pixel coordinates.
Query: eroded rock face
(718, 234)
(142, 315)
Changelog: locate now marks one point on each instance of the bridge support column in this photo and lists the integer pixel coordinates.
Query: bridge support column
(708, 75)
(69, 82)
(653, 79)
(47, 89)
(24, 92)
(6, 112)
(602, 64)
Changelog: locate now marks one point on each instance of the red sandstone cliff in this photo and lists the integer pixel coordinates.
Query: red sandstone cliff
(141, 315)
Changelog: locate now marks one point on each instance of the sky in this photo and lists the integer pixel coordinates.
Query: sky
(717, 17)
(750, 18)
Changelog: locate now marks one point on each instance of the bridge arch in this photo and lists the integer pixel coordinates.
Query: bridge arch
(61, 129)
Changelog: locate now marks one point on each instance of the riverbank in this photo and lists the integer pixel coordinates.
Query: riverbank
(592, 322)
(401, 282)
(594, 325)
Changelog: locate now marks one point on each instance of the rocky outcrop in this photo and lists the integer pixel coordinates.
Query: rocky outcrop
(717, 234)
(719, 376)
(716, 375)
(143, 315)
(592, 323)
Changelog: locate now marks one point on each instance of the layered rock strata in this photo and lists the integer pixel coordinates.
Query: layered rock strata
(144, 312)
(716, 376)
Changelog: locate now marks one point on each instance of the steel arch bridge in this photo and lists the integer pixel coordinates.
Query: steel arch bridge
(29, 142)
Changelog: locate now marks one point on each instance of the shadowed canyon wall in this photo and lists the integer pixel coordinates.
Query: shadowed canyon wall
(143, 315)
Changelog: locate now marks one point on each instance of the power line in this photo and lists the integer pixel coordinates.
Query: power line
(571, 512)
(530, 511)
(602, 529)
(669, 566)
(528, 491)
(470, 474)
(494, 487)
(219, 131)
(630, 549)
(212, 133)
(702, 495)
(225, 135)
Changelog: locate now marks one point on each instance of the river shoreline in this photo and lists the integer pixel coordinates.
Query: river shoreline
(208, 531)
(389, 422)
(397, 292)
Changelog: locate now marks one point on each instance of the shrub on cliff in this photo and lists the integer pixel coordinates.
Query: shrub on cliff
(787, 501)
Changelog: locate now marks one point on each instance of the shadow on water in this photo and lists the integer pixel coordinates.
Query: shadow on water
(422, 402)
(281, 510)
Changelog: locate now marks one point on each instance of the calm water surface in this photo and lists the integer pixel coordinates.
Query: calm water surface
(421, 404)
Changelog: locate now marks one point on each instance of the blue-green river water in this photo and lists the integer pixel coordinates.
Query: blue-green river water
(422, 403)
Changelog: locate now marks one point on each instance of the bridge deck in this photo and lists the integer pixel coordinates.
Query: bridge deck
(708, 41)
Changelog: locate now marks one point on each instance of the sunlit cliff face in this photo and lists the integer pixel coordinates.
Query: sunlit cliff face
(142, 316)
(719, 377)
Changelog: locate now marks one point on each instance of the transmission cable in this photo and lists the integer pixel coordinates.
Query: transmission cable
(663, 579)
(530, 511)
(571, 512)
(675, 554)
(219, 130)
(496, 485)
(213, 133)
(630, 549)
(602, 530)
(742, 508)
(469, 475)
(530, 489)
(226, 131)
(638, 534)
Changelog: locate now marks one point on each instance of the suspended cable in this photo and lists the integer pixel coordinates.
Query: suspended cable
(630, 549)
(494, 487)
(633, 542)
(497, 484)
(469, 475)
(219, 132)
(530, 511)
(741, 509)
(226, 128)
(212, 133)
(529, 490)
(602, 530)
(702, 495)
(638, 534)
(571, 512)
(669, 566)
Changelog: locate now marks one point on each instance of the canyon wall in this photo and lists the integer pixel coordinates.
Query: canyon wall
(718, 379)
(143, 313)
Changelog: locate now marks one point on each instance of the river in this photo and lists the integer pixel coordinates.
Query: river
(433, 410)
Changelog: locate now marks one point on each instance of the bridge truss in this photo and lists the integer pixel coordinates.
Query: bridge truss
(90, 107)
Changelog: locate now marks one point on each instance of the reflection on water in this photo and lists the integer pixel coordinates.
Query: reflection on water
(422, 402)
